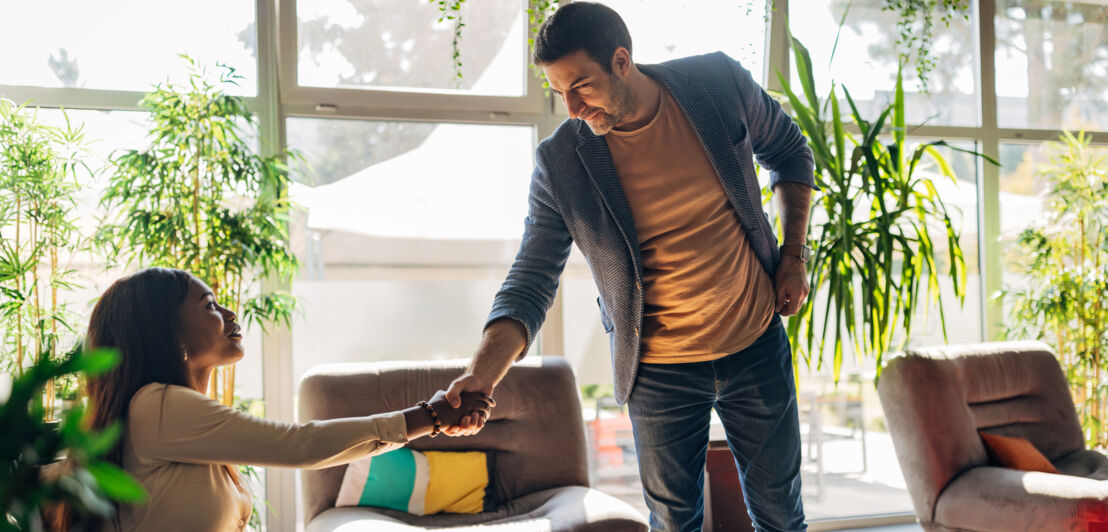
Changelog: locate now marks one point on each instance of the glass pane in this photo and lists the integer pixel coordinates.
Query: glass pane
(866, 55)
(1023, 200)
(356, 45)
(406, 238)
(664, 30)
(1052, 64)
(124, 44)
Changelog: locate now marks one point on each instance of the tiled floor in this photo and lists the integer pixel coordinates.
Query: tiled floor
(847, 490)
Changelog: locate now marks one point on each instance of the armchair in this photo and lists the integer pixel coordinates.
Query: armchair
(536, 430)
(935, 401)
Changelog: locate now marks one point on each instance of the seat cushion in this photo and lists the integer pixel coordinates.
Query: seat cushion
(1086, 463)
(572, 508)
(993, 498)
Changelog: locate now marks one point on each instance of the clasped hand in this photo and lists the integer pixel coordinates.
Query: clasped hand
(472, 403)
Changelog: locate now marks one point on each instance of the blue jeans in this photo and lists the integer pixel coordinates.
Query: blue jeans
(755, 396)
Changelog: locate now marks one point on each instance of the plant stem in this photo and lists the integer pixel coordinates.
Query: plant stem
(18, 283)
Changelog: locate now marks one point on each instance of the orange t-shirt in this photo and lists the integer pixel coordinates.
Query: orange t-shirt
(705, 294)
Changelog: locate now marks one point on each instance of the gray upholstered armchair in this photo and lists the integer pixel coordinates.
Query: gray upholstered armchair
(536, 430)
(935, 401)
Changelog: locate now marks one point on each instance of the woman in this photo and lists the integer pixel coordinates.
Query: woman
(182, 446)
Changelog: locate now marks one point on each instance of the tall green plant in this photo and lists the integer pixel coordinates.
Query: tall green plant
(38, 183)
(874, 226)
(199, 198)
(1063, 261)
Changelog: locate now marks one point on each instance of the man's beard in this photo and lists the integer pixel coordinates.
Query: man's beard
(622, 103)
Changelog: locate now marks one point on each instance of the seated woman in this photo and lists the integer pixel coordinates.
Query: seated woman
(184, 447)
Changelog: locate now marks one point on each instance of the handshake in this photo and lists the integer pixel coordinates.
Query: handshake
(474, 405)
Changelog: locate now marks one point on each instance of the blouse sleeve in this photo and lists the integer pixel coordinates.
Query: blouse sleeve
(178, 424)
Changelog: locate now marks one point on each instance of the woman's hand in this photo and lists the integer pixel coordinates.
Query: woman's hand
(472, 403)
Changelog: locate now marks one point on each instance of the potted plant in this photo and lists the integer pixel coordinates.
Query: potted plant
(881, 233)
(1063, 263)
(87, 484)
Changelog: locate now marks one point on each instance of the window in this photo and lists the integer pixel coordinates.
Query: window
(124, 44)
(1052, 64)
(408, 231)
(864, 61)
(661, 31)
(351, 45)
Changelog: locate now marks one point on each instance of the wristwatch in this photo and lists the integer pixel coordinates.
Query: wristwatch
(799, 251)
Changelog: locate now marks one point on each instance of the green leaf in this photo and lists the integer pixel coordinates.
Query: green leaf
(116, 483)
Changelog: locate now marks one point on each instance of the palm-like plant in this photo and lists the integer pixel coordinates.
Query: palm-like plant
(874, 226)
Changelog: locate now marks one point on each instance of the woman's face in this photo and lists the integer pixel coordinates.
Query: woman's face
(210, 335)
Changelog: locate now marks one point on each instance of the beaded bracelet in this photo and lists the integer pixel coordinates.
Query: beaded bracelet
(434, 417)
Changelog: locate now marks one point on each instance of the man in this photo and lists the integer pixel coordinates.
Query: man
(653, 178)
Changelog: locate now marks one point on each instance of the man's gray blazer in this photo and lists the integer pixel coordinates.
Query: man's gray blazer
(576, 196)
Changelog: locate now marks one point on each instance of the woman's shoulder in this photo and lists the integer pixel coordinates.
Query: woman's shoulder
(152, 399)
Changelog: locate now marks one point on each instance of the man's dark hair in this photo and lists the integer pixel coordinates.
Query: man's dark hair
(594, 28)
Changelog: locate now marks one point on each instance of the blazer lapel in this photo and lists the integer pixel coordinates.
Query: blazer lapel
(597, 160)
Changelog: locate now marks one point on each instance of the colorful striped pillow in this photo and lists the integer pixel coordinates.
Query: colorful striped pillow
(420, 483)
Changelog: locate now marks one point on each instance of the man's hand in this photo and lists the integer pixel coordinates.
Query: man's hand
(473, 422)
(502, 342)
(791, 285)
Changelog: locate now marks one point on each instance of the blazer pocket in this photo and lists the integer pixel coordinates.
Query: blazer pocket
(605, 320)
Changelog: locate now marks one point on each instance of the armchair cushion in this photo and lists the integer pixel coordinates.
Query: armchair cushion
(1015, 453)
(420, 483)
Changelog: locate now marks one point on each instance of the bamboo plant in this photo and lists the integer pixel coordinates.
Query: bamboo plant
(1063, 261)
(881, 234)
(200, 199)
(38, 182)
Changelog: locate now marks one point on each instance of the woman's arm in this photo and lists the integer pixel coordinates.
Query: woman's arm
(177, 424)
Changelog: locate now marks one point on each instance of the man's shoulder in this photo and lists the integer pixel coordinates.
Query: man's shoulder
(696, 63)
(564, 140)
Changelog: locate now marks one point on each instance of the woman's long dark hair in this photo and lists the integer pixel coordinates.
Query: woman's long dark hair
(138, 315)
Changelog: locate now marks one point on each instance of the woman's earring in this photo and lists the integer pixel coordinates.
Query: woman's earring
(186, 354)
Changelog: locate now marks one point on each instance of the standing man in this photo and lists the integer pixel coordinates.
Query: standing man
(653, 178)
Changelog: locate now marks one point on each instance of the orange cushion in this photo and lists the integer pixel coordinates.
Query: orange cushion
(1015, 453)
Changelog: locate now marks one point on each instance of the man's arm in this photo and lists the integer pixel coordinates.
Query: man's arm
(520, 306)
(501, 344)
(791, 280)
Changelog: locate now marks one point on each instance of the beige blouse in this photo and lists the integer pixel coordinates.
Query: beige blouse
(177, 439)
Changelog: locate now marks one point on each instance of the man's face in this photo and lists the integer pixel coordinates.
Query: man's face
(602, 100)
